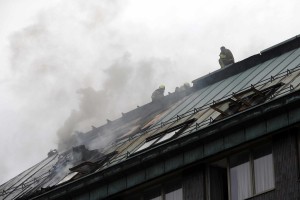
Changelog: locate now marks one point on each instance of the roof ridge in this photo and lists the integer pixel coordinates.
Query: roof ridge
(243, 65)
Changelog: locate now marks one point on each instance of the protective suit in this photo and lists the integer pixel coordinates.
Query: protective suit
(226, 57)
(158, 93)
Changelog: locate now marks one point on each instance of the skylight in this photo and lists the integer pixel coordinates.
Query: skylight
(146, 145)
(166, 136)
(160, 138)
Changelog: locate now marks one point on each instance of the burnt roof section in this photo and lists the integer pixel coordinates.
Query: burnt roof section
(143, 113)
(283, 69)
(248, 63)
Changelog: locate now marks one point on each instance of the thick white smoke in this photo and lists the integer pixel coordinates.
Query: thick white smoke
(127, 85)
(73, 68)
(84, 52)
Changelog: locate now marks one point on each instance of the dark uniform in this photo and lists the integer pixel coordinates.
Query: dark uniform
(158, 93)
(226, 57)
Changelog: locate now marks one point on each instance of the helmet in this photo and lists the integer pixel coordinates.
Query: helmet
(161, 87)
(222, 47)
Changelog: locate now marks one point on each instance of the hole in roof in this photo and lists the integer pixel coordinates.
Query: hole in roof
(243, 100)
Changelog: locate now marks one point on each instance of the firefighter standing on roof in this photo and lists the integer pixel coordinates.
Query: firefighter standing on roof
(158, 93)
(226, 57)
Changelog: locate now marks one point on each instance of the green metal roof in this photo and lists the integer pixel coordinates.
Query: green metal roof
(259, 72)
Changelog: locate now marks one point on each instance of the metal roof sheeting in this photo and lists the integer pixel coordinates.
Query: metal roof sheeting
(281, 69)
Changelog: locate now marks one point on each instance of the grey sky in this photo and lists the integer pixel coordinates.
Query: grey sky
(50, 50)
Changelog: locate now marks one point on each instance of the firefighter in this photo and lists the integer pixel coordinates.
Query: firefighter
(158, 93)
(226, 57)
(186, 85)
(182, 88)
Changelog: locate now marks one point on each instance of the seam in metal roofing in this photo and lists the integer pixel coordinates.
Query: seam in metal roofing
(278, 64)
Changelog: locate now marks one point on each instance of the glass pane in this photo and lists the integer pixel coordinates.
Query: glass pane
(240, 178)
(167, 136)
(174, 195)
(263, 169)
(146, 145)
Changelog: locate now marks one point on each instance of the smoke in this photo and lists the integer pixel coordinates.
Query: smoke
(80, 62)
(127, 84)
(72, 68)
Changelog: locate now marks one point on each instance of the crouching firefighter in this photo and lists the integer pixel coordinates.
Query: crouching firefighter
(226, 57)
(158, 93)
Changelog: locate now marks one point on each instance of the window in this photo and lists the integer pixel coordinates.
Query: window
(146, 145)
(298, 148)
(240, 176)
(218, 181)
(167, 191)
(173, 192)
(249, 173)
(263, 169)
(167, 136)
(158, 138)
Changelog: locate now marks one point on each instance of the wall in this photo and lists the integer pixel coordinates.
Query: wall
(285, 167)
(193, 184)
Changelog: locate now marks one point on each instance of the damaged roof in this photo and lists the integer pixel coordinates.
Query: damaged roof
(214, 99)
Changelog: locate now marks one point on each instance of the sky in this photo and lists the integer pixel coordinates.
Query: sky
(67, 65)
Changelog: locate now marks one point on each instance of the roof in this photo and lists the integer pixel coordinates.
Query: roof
(214, 100)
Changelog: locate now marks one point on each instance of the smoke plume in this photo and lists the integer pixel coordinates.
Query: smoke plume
(73, 68)
(80, 62)
(127, 85)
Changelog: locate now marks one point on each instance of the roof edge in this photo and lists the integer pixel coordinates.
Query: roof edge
(238, 67)
(279, 44)
(290, 100)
